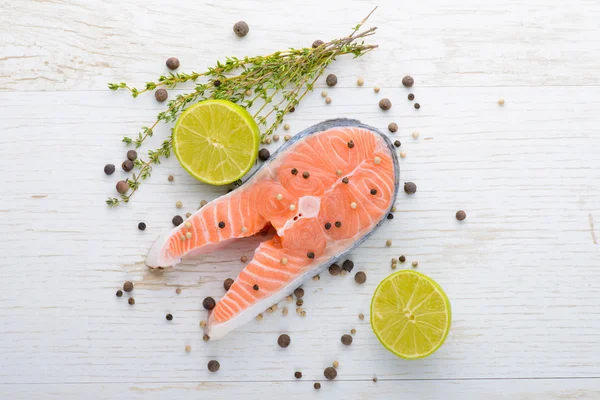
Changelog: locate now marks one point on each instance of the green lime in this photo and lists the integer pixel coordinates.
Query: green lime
(410, 314)
(216, 141)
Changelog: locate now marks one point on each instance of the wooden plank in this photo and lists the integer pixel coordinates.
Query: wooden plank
(76, 45)
(503, 389)
(521, 271)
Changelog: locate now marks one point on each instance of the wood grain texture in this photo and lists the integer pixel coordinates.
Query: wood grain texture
(522, 271)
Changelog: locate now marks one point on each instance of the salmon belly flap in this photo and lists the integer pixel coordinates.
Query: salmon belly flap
(323, 192)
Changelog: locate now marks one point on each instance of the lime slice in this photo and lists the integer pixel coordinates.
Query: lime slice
(410, 314)
(216, 141)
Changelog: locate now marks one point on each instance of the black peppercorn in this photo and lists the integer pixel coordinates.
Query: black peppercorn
(221, 224)
(169, 317)
(172, 63)
(411, 96)
(119, 293)
(284, 341)
(385, 104)
(142, 226)
(461, 215)
(128, 286)
(328, 225)
(294, 171)
(292, 109)
(298, 374)
(310, 255)
(299, 293)
(393, 127)
(241, 28)
(109, 169)
(360, 277)
(227, 283)
(127, 165)
(334, 269)
(373, 192)
(410, 188)
(177, 220)
(348, 265)
(338, 224)
(397, 143)
(417, 106)
(131, 301)
(209, 303)
(213, 365)
(345, 180)
(255, 287)
(317, 385)
(408, 81)
(161, 95)
(350, 144)
(330, 373)
(299, 302)
(317, 43)
(347, 340)
(122, 187)
(132, 155)
(402, 259)
(331, 80)
(264, 154)
(305, 174)
(216, 83)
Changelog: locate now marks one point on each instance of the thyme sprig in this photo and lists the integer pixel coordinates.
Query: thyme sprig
(249, 81)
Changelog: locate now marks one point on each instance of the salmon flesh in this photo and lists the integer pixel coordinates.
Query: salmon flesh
(324, 192)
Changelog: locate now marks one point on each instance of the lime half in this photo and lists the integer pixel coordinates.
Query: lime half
(410, 314)
(216, 141)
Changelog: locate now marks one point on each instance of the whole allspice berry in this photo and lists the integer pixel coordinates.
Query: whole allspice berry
(264, 154)
(408, 81)
(347, 340)
(330, 373)
(122, 187)
(385, 104)
(360, 277)
(317, 43)
(109, 169)
(410, 188)
(334, 269)
(241, 28)
(284, 341)
(128, 286)
(172, 63)
(393, 127)
(177, 220)
(227, 283)
(348, 265)
(209, 303)
(161, 95)
(461, 215)
(213, 365)
(331, 80)
(127, 165)
(132, 155)
(299, 293)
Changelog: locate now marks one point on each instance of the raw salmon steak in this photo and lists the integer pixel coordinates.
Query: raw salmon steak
(324, 192)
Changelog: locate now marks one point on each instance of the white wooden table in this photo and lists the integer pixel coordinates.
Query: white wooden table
(522, 271)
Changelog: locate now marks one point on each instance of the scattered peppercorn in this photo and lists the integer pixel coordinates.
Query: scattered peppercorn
(388, 243)
(347, 339)
(187, 215)
(177, 220)
(385, 104)
(213, 365)
(317, 385)
(393, 127)
(461, 215)
(241, 28)
(203, 203)
(335, 364)
(171, 178)
(127, 165)
(328, 225)
(330, 373)
(227, 283)
(172, 63)
(403, 154)
(350, 144)
(328, 100)
(122, 187)
(131, 301)
(142, 226)
(132, 155)
(361, 316)
(305, 174)
(294, 171)
(334, 269)
(353, 331)
(161, 95)
(221, 224)
(206, 338)
(299, 302)
(345, 180)
(397, 143)
(188, 348)
(178, 290)
(390, 216)
(374, 379)
(501, 102)
(317, 43)
(373, 192)
(255, 287)
(299, 293)
(360, 81)
(316, 277)
(109, 169)
(128, 286)
(411, 96)
(402, 259)
(331, 80)
(417, 106)
(324, 93)
(415, 264)
(119, 293)
(276, 138)
(284, 341)
(415, 135)
(259, 317)
(360, 277)
(408, 81)
(178, 204)
(287, 137)
(298, 374)
(338, 224)
(348, 265)
(310, 255)
(376, 89)
(264, 154)
(216, 83)
(209, 303)
(410, 187)
(169, 317)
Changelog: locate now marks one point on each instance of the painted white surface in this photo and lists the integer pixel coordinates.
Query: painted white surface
(522, 271)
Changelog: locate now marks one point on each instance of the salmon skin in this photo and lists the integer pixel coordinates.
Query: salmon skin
(324, 192)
